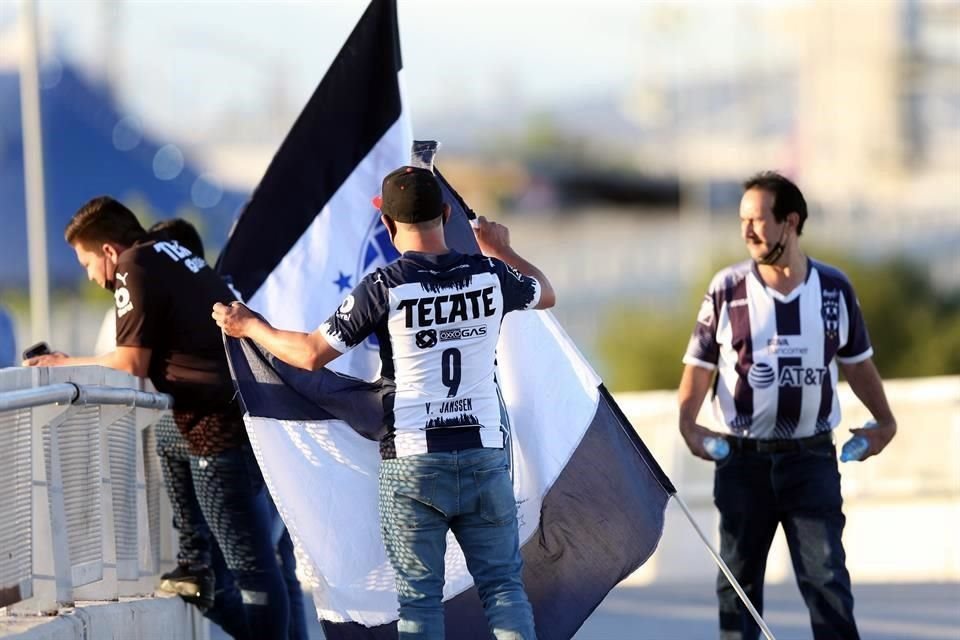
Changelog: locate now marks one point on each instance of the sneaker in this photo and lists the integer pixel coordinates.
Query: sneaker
(193, 584)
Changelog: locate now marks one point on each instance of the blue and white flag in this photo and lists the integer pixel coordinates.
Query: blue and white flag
(590, 497)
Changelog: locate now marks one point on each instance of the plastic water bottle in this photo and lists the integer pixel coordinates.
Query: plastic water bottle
(856, 447)
(716, 448)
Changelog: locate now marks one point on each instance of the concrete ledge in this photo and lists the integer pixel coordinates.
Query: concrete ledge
(159, 618)
(902, 507)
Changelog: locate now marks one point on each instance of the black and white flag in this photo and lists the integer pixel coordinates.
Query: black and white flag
(590, 497)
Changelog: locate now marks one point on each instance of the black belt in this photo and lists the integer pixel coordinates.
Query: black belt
(780, 446)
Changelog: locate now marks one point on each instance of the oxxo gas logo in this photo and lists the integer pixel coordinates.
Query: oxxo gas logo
(463, 333)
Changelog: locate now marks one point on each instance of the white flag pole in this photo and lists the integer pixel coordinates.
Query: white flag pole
(726, 571)
(33, 173)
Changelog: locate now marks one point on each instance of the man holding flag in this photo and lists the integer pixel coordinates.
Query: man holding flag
(589, 497)
(444, 465)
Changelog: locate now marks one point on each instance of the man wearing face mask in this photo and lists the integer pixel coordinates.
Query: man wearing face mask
(773, 329)
(162, 293)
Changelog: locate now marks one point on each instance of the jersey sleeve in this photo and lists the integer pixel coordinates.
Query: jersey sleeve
(703, 349)
(139, 302)
(857, 347)
(358, 315)
(520, 292)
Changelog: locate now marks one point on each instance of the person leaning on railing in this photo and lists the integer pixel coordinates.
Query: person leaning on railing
(163, 293)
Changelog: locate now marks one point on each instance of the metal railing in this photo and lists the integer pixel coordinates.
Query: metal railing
(81, 498)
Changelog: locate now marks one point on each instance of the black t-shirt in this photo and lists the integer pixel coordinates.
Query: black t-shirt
(164, 295)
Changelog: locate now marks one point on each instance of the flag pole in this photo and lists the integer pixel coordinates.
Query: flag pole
(726, 571)
(33, 174)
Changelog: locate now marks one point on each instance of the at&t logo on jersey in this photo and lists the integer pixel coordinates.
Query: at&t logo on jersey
(762, 375)
(802, 376)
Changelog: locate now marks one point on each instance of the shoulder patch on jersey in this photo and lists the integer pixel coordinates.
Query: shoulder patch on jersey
(516, 274)
(830, 311)
(730, 277)
(705, 315)
(122, 297)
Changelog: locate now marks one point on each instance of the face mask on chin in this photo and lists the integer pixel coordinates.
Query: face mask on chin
(110, 284)
(776, 251)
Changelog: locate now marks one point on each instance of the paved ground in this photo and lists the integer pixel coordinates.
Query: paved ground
(688, 612)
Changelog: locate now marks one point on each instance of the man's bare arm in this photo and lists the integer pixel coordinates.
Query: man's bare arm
(309, 351)
(133, 360)
(865, 381)
(694, 385)
(494, 241)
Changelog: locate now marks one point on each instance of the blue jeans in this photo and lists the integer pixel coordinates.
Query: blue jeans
(197, 547)
(288, 568)
(754, 493)
(233, 498)
(193, 534)
(470, 493)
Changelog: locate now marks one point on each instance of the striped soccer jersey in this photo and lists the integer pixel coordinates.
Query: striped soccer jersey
(776, 354)
(437, 320)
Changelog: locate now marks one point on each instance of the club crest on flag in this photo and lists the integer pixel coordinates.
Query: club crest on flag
(376, 251)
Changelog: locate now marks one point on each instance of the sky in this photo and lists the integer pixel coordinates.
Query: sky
(182, 63)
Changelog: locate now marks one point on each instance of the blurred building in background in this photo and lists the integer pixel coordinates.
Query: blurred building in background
(625, 196)
(92, 146)
(867, 111)
(879, 116)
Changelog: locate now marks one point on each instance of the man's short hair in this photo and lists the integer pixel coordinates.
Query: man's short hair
(787, 197)
(411, 195)
(180, 230)
(103, 220)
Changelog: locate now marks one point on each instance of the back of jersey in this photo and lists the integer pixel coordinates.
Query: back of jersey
(437, 318)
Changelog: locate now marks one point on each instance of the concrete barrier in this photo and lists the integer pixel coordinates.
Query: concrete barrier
(83, 521)
(903, 513)
(164, 618)
(902, 507)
